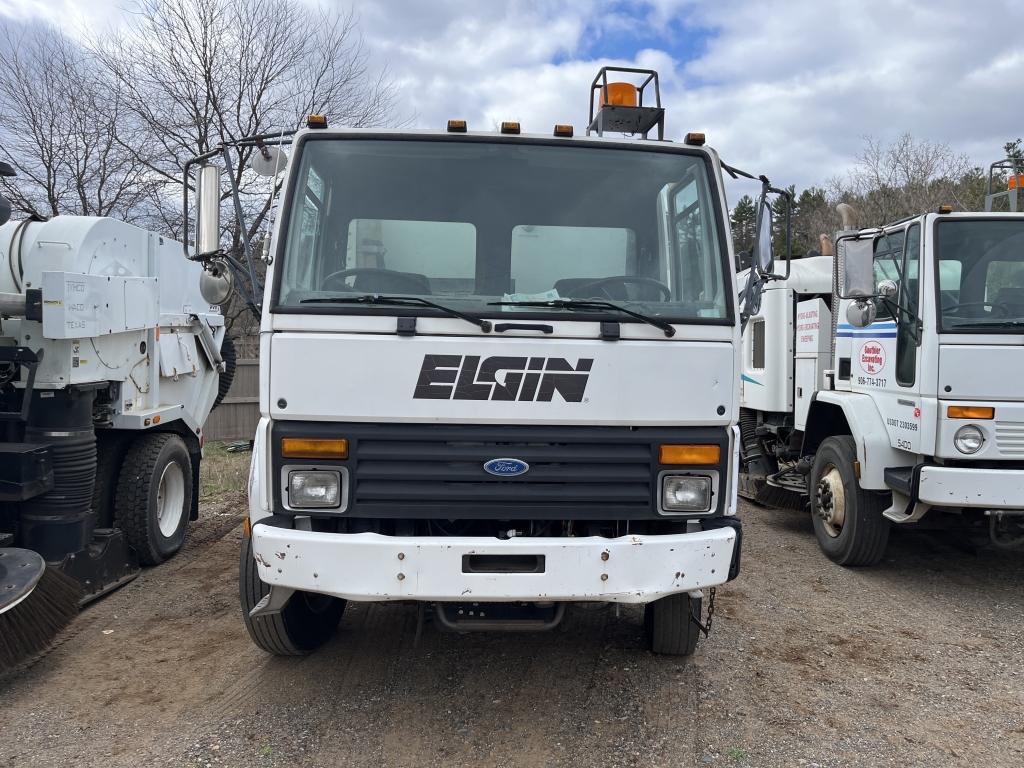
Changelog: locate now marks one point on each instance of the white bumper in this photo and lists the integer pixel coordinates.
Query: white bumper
(371, 567)
(972, 487)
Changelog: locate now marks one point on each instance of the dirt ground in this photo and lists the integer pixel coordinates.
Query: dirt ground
(916, 662)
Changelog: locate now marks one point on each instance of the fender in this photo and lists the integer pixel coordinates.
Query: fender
(855, 414)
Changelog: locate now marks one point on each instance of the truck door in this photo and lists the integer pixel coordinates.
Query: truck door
(885, 361)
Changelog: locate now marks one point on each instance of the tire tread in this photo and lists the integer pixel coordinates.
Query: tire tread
(131, 500)
(870, 528)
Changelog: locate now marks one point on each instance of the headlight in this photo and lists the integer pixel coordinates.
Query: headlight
(969, 439)
(308, 489)
(686, 493)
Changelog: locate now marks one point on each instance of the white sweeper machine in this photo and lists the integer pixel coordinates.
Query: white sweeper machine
(883, 384)
(499, 373)
(110, 362)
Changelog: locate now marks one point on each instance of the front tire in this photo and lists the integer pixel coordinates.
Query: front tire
(670, 625)
(154, 496)
(303, 625)
(848, 521)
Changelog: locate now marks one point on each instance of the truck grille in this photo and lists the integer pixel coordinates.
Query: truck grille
(437, 470)
(440, 471)
(1010, 438)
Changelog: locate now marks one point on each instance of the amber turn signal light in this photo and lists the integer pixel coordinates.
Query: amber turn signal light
(314, 448)
(690, 454)
(979, 412)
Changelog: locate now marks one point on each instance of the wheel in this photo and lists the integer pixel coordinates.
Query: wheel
(154, 496)
(847, 519)
(230, 356)
(670, 625)
(306, 622)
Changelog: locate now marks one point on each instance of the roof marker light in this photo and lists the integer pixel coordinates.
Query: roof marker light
(316, 121)
(456, 126)
(510, 127)
(694, 139)
(563, 130)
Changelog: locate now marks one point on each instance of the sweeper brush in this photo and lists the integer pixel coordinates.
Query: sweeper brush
(35, 604)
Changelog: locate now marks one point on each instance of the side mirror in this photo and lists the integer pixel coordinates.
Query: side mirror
(5, 210)
(208, 219)
(762, 257)
(887, 289)
(861, 313)
(857, 268)
(215, 283)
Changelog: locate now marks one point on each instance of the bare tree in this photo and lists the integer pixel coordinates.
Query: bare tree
(907, 177)
(199, 73)
(60, 129)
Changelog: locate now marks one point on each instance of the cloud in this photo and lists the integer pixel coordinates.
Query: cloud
(788, 89)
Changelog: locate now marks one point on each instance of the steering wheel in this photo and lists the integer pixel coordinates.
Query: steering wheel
(411, 284)
(603, 284)
(1003, 309)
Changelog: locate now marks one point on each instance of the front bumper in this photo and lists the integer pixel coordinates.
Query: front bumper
(971, 487)
(372, 567)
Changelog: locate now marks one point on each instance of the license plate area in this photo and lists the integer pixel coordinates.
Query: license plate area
(503, 564)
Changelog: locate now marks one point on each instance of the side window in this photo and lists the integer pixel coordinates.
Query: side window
(696, 246)
(304, 237)
(888, 264)
(757, 350)
(909, 298)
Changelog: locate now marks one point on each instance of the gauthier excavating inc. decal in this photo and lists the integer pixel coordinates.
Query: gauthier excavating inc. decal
(872, 357)
(520, 379)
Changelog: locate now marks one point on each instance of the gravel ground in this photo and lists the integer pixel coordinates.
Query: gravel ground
(916, 662)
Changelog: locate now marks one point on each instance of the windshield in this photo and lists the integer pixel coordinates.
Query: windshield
(980, 275)
(468, 223)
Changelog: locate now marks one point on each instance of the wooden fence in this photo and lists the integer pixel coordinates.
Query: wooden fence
(236, 417)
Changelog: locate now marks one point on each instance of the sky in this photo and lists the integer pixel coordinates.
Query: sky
(789, 88)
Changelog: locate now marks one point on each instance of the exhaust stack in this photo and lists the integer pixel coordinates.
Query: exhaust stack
(848, 214)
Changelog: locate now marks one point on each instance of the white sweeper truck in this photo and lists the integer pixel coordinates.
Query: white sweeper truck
(110, 362)
(883, 384)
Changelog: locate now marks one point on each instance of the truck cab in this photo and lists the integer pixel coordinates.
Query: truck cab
(909, 380)
(498, 375)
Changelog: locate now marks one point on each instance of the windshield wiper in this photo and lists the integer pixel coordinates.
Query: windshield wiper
(399, 301)
(589, 304)
(991, 324)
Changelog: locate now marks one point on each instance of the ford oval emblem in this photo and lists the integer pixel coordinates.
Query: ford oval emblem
(506, 467)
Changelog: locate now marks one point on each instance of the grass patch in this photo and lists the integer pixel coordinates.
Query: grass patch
(222, 473)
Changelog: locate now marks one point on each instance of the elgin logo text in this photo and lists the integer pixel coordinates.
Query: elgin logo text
(518, 379)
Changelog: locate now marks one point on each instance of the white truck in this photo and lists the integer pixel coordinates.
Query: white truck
(498, 375)
(885, 383)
